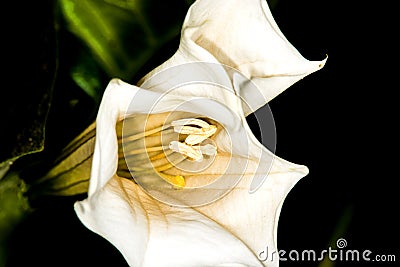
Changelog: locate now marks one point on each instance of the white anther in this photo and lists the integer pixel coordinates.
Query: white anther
(189, 151)
(191, 121)
(187, 129)
(201, 135)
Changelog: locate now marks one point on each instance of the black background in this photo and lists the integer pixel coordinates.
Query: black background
(340, 122)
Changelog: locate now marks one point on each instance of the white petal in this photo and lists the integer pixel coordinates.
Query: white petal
(253, 217)
(251, 210)
(192, 71)
(150, 233)
(242, 35)
(114, 105)
(116, 99)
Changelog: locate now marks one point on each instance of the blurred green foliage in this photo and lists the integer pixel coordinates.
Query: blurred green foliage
(121, 35)
(14, 207)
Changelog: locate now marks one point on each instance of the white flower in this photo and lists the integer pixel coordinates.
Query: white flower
(183, 137)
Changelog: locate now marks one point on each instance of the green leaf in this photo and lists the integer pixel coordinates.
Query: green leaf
(86, 75)
(123, 35)
(27, 86)
(14, 207)
(71, 171)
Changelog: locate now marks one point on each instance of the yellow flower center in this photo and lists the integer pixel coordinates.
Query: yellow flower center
(162, 144)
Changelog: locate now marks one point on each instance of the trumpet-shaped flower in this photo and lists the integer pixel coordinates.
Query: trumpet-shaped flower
(178, 178)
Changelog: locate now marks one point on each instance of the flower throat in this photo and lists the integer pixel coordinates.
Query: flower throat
(152, 145)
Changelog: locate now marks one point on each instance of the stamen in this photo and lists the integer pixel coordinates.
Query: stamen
(164, 132)
(134, 137)
(165, 167)
(143, 150)
(161, 155)
(203, 134)
(186, 150)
